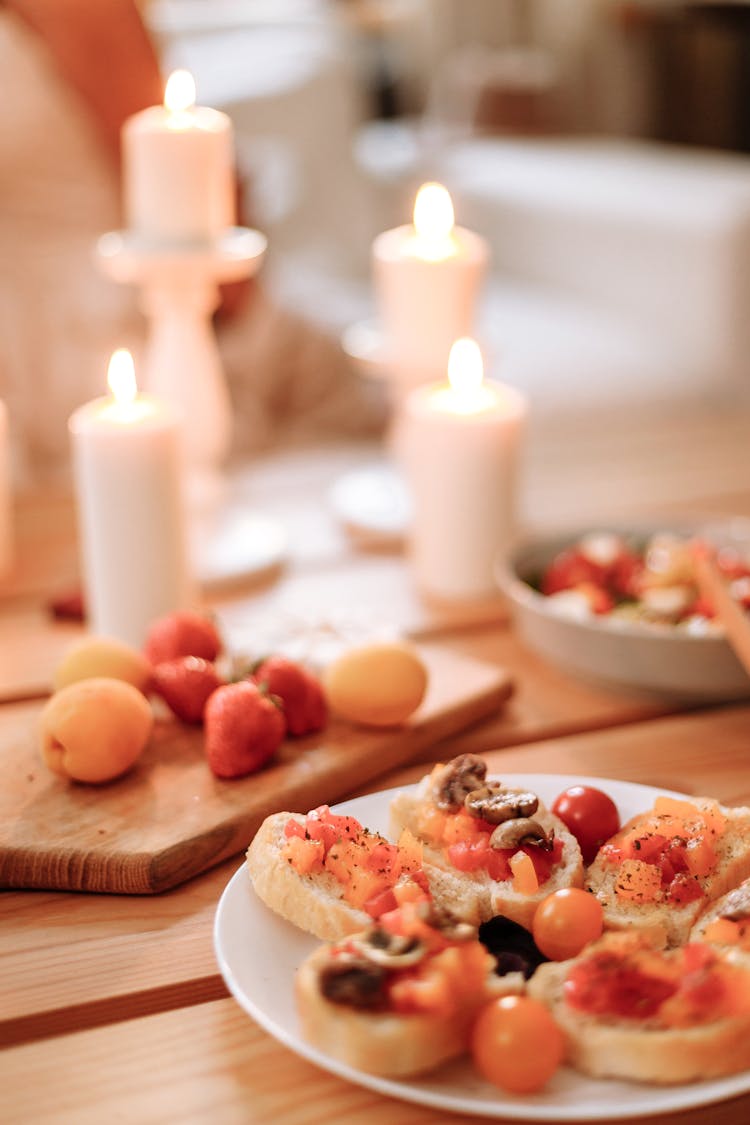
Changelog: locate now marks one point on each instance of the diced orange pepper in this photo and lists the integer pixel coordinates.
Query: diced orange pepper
(411, 851)
(304, 855)
(687, 814)
(427, 990)
(525, 881)
(363, 885)
(461, 827)
(723, 931)
(677, 807)
(700, 856)
(344, 857)
(714, 819)
(638, 881)
(408, 891)
(431, 822)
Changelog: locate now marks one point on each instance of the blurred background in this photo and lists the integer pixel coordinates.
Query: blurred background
(599, 145)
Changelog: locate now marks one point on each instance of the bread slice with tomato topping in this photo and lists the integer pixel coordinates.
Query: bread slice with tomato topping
(727, 921)
(665, 866)
(662, 1016)
(491, 849)
(400, 998)
(328, 874)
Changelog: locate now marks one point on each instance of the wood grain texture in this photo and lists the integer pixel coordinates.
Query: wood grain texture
(170, 818)
(213, 1063)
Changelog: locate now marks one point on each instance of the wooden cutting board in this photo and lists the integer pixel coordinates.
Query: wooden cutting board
(170, 818)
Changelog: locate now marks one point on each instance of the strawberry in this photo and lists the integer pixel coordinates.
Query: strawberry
(184, 632)
(185, 684)
(244, 727)
(300, 692)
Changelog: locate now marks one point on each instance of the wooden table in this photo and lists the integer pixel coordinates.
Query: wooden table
(112, 1007)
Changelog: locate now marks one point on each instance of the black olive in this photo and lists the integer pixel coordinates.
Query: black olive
(513, 947)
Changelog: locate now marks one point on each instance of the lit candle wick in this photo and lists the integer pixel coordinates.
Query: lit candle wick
(125, 405)
(179, 94)
(433, 223)
(121, 377)
(467, 392)
(179, 99)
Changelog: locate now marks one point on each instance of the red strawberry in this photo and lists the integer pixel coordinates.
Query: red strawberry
(301, 694)
(182, 633)
(185, 685)
(244, 728)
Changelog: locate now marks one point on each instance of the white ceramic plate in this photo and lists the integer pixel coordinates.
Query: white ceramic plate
(661, 660)
(258, 953)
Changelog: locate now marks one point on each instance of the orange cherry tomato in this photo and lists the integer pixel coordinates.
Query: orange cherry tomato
(516, 1044)
(566, 921)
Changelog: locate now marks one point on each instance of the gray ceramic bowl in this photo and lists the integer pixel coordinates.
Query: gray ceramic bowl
(661, 660)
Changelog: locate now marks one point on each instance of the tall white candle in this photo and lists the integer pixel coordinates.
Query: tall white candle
(126, 459)
(458, 443)
(427, 277)
(6, 514)
(178, 168)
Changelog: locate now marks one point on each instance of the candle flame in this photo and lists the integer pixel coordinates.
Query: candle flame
(433, 212)
(465, 367)
(121, 377)
(179, 94)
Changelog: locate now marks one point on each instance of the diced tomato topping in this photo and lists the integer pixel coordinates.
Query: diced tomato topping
(367, 866)
(684, 888)
(544, 861)
(384, 859)
(477, 854)
(469, 855)
(604, 984)
(381, 903)
(421, 991)
(678, 988)
(498, 867)
(676, 842)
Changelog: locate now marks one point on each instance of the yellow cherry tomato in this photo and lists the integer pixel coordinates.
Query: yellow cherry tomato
(516, 1044)
(565, 921)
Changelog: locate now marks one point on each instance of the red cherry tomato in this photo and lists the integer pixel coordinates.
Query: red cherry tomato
(516, 1044)
(566, 921)
(590, 815)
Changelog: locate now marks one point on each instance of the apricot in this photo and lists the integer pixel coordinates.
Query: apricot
(378, 685)
(94, 730)
(102, 656)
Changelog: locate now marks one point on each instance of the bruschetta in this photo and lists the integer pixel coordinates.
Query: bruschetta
(631, 1011)
(726, 921)
(328, 874)
(400, 998)
(665, 866)
(492, 849)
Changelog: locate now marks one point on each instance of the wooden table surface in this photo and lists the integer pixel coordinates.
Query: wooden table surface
(112, 1007)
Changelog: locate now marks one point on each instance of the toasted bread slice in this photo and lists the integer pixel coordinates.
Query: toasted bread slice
(667, 918)
(354, 1018)
(475, 895)
(652, 1050)
(329, 900)
(315, 902)
(727, 920)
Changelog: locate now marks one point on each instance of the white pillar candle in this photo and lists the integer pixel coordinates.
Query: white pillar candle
(126, 460)
(458, 443)
(6, 513)
(427, 277)
(178, 169)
